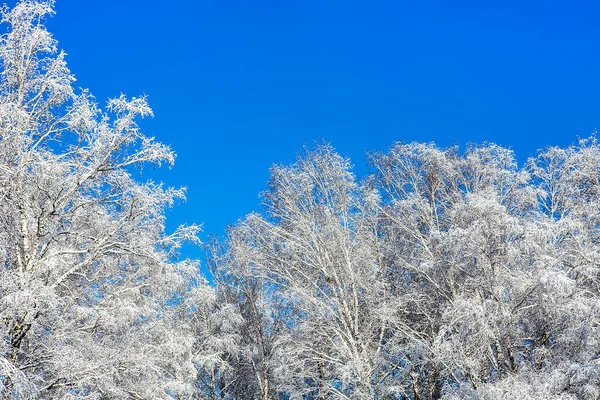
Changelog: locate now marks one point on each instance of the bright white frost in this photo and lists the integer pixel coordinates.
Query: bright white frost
(86, 276)
(444, 274)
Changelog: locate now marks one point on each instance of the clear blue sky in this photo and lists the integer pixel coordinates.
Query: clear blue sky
(239, 85)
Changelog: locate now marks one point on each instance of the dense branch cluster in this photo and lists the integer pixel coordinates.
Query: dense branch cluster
(444, 274)
(86, 277)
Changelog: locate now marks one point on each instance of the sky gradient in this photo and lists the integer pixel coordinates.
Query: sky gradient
(239, 85)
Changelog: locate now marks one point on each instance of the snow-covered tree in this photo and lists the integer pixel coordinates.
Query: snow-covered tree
(489, 249)
(444, 274)
(317, 260)
(87, 280)
(264, 318)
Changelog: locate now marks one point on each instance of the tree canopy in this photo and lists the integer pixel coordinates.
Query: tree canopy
(445, 273)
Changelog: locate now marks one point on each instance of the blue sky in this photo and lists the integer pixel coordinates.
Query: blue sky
(239, 85)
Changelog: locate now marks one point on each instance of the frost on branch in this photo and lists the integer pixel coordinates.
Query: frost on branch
(445, 274)
(87, 277)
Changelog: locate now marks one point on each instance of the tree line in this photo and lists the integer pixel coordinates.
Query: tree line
(445, 273)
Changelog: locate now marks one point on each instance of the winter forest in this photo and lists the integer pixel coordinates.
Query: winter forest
(447, 273)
